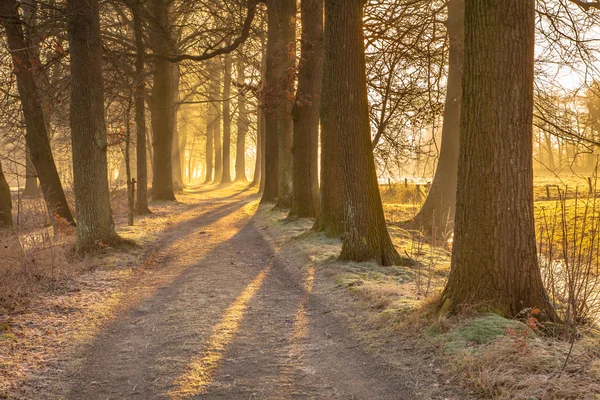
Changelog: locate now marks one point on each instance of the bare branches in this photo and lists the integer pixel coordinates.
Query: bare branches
(252, 4)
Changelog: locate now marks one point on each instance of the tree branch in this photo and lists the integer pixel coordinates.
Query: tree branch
(252, 4)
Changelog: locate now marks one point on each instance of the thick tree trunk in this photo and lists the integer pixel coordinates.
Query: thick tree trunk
(141, 206)
(305, 200)
(270, 106)
(88, 130)
(31, 182)
(285, 71)
(242, 125)
(162, 106)
(437, 213)
(346, 117)
(494, 260)
(226, 176)
(6, 220)
(36, 135)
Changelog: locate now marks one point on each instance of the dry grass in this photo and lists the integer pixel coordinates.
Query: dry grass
(517, 368)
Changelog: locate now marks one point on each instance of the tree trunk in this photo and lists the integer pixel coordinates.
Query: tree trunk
(242, 125)
(31, 182)
(270, 104)
(286, 75)
(226, 176)
(140, 111)
(209, 148)
(176, 145)
(36, 135)
(346, 117)
(88, 130)
(162, 106)
(217, 96)
(305, 200)
(494, 260)
(437, 213)
(6, 220)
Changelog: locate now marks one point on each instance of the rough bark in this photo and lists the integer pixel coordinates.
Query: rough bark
(269, 104)
(6, 220)
(162, 107)
(242, 124)
(141, 206)
(494, 261)
(226, 175)
(346, 112)
(437, 213)
(31, 181)
(286, 75)
(88, 130)
(36, 135)
(305, 191)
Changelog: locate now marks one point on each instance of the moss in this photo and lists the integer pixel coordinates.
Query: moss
(7, 337)
(481, 330)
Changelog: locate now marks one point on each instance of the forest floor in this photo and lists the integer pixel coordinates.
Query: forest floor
(224, 298)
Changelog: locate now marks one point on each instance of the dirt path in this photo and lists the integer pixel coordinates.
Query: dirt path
(225, 319)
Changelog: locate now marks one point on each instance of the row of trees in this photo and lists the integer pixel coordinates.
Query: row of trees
(331, 100)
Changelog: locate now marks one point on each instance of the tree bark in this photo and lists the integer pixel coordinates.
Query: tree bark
(31, 182)
(141, 206)
(162, 106)
(345, 116)
(242, 124)
(36, 135)
(6, 220)
(88, 130)
(176, 145)
(226, 176)
(269, 104)
(494, 260)
(286, 75)
(437, 213)
(305, 199)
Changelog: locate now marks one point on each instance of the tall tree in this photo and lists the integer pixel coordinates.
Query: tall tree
(345, 116)
(494, 261)
(31, 181)
(88, 129)
(36, 135)
(269, 97)
(141, 206)
(162, 105)
(217, 97)
(6, 219)
(305, 198)
(437, 213)
(227, 66)
(176, 146)
(209, 146)
(286, 76)
(242, 124)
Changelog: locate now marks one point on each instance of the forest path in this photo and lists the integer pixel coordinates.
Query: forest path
(224, 319)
